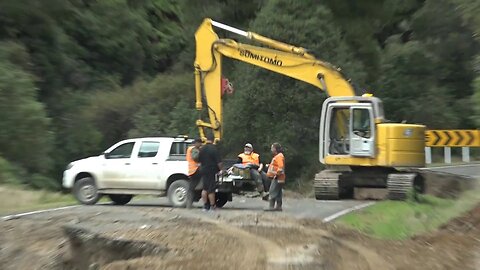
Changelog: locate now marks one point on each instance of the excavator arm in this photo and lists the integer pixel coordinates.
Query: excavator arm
(279, 57)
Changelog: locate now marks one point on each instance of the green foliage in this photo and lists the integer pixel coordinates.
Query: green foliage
(470, 10)
(163, 106)
(430, 63)
(39, 181)
(409, 70)
(476, 101)
(76, 136)
(25, 136)
(9, 173)
(81, 43)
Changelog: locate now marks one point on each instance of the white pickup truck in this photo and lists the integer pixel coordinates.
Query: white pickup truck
(151, 166)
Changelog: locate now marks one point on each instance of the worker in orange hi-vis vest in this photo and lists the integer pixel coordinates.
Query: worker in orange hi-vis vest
(252, 160)
(276, 172)
(248, 156)
(193, 171)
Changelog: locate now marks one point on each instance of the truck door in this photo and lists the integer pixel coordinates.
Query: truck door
(116, 166)
(362, 132)
(145, 166)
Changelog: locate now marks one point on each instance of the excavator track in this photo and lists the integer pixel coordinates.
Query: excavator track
(399, 184)
(326, 185)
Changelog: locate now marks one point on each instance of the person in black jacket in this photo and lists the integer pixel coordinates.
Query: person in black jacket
(210, 165)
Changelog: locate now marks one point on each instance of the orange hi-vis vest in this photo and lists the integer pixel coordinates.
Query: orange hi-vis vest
(277, 167)
(253, 158)
(192, 164)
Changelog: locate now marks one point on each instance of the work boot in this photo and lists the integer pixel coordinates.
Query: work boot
(189, 204)
(279, 206)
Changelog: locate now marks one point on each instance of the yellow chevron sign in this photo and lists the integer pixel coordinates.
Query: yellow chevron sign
(452, 137)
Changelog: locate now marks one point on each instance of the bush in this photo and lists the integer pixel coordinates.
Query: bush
(38, 181)
(9, 173)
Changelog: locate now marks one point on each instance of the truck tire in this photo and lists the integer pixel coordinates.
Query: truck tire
(85, 191)
(221, 199)
(120, 199)
(177, 193)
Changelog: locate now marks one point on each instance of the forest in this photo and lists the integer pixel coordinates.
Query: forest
(76, 76)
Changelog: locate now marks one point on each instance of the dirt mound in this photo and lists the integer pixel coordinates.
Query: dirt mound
(467, 223)
(446, 185)
(455, 245)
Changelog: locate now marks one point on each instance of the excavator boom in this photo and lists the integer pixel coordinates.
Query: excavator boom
(281, 58)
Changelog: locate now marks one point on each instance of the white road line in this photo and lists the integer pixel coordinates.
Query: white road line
(329, 201)
(346, 211)
(15, 216)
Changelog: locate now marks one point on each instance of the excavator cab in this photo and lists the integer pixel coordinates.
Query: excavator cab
(347, 126)
(353, 131)
(365, 154)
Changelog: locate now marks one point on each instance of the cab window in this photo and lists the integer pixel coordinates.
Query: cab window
(121, 151)
(339, 132)
(178, 149)
(362, 123)
(148, 149)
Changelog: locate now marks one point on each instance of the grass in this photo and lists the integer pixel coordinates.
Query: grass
(14, 199)
(401, 220)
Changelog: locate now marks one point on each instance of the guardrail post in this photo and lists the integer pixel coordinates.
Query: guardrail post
(428, 155)
(447, 154)
(466, 154)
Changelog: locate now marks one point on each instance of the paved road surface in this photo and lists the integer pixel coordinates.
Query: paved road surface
(299, 208)
(467, 169)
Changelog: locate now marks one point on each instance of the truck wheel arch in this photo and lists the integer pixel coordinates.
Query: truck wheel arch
(174, 177)
(83, 175)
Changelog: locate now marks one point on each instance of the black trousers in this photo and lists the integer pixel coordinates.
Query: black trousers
(194, 180)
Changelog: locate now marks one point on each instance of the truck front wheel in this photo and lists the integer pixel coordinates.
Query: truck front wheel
(85, 191)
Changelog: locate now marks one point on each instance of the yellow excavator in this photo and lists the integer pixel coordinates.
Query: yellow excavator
(366, 156)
